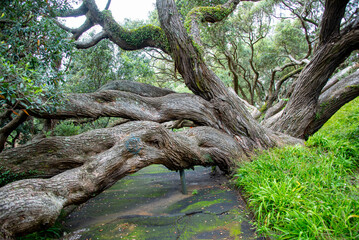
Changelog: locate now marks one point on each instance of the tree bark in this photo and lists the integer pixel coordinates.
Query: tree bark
(112, 103)
(333, 99)
(329, 103)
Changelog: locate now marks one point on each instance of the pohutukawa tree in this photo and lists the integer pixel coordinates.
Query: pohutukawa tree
(74, 169)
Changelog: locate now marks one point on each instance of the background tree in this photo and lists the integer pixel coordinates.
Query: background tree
(31, 50)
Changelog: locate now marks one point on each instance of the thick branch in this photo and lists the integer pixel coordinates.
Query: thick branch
(141, 89)
(77, 32)
(234, 117)
(108, 5)
(336, 78)
(333, 99)
(301, 108)
(92, 41)
(146, 36)
(111, 103)
(75, 12)
(5, 116)
(332, 16)
(29, 205)
(207, 14)
(32, 204)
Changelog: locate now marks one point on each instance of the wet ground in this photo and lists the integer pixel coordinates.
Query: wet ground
(149, 205)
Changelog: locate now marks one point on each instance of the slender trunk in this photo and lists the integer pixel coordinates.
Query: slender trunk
(11, 126)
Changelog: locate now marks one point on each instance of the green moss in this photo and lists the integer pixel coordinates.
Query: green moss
(202, 14)
(202, 204)
(263, 108)
(217, 191)
(216, 13)
(136, 37)
(208, 158)
(235, 229)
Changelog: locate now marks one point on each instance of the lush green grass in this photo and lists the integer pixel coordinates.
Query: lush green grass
(309, 192)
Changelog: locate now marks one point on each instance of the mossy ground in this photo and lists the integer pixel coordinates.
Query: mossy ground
(149, 205)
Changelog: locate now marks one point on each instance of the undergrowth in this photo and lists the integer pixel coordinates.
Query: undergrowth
(9, 176)
(312, 191)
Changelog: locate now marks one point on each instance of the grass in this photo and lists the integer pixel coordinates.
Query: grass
(312, 191)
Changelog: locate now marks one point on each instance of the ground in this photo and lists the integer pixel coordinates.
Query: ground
(150, 205)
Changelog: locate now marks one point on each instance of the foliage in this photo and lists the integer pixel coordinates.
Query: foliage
(70, 128)
(289, 39)
(54, 232)
(66, 128)
(309, 192)
(92, 68)
(250, 44)
(8, 176)
(31, 49)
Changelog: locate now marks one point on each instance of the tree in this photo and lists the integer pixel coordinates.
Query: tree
(31, 50)
(82, 166)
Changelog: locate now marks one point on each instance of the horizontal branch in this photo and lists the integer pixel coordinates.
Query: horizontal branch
(112, 103)
(82, 10)
(336, 78)
(146, 36)
(31, 204)
(77, 32)
(92, 41)
(142, 89)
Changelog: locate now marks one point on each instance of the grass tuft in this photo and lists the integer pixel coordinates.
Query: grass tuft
(312, 191)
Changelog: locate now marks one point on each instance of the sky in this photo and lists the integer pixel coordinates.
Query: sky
(121, 9)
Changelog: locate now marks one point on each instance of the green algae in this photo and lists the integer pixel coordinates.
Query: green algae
(202, 205)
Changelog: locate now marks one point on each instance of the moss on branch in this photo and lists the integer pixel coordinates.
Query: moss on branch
(207, 14)
(145, 36)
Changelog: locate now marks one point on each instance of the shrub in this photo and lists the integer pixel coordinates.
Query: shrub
(67, 129)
